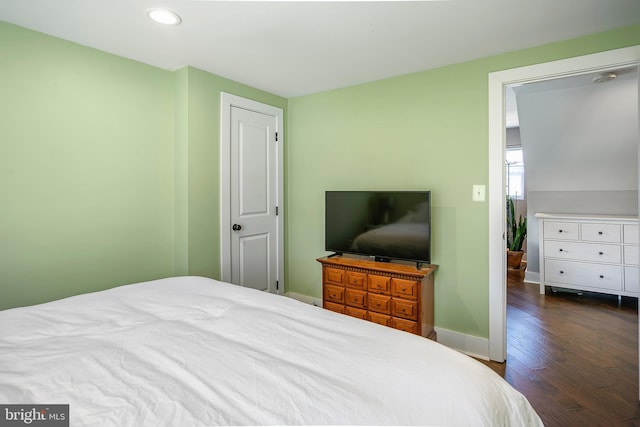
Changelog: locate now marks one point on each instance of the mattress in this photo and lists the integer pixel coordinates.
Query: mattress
(192, 351)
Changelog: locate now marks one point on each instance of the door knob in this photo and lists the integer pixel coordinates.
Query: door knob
(236, 227)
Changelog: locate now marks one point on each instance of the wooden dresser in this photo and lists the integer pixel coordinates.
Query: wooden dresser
(395, 295)
(597, 253)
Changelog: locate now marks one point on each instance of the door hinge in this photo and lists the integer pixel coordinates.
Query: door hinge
(276, 136)
(277, 285)
(276, 211)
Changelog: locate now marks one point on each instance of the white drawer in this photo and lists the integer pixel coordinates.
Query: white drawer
(631, 279)
(631, 255)
(630, 233)
(580, 274)
(560, 230)
(596, 252)
(609, 233)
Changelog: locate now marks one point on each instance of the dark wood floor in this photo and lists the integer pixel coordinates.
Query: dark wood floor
(575, 357)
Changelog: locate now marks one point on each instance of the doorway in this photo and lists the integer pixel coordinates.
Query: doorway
(251, 193)
(497, 247)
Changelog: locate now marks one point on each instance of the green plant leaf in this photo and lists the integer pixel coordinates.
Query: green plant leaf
(516, 231)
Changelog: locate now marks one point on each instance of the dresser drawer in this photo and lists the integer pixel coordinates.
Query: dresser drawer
(404, 308)
(580, 274)
(338, 308)
(630, 233)
(378, 284)
(334, 276)
(404, 288)
(609, 233)
(355, 298)
(379, 303)
(355, 312)
(380, 292)
(356, 280)
(379, 318)
(631, 279)
(404, 325)
(334, 293)
(631, 255)
(560, 230)
(582, 251)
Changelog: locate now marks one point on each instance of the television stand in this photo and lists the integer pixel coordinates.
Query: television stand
(391, 294)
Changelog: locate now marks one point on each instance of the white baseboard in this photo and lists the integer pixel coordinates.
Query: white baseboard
(532, 277)
(304, 298)
(467, 344)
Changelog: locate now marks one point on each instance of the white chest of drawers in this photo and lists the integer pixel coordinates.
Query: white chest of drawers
(597, 253)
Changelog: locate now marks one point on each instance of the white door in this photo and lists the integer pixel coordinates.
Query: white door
(254, 223)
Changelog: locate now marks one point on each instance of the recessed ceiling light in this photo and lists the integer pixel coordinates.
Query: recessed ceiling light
(607, 77)
(163, 16)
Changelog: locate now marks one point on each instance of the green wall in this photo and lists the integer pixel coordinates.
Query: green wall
(427, 130)
(85, 146)
(108, 169)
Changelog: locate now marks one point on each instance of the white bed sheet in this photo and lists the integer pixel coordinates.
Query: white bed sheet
(192, 351)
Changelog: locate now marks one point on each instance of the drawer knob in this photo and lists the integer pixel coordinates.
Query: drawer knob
(561, 250)
(404, 289)
(601, 276)
(600, 232)
(600, 253)
(561, 272)
(560, 231)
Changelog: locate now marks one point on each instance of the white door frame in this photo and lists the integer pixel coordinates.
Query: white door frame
(227, 101)
(497, 145)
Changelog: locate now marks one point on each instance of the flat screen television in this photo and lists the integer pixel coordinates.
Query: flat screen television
(386, 225)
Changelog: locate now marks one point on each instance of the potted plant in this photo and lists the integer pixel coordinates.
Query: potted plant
(516, 232)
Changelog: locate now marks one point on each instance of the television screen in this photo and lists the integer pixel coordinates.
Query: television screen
(383, 224)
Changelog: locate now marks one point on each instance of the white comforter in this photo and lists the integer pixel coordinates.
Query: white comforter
(192, 351)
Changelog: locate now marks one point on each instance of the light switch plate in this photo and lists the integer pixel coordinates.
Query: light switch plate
(478, 193)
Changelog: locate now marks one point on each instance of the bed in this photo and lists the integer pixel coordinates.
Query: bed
(192, 351)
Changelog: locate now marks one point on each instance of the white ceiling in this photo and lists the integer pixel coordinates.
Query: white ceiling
(629, 73)
(296, 48)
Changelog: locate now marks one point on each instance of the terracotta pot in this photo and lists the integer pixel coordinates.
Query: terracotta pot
(514, 258)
